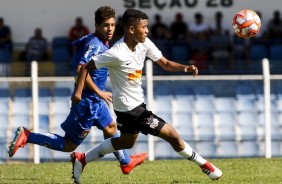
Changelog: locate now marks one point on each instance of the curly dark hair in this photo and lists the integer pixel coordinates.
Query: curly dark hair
(103, 13)
(132, 16)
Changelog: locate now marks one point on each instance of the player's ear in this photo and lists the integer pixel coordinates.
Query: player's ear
(131, 29)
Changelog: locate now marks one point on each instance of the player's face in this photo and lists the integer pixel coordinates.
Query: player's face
(141, 31)
(106, 28)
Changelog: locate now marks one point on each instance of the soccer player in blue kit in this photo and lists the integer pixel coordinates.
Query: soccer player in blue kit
(92, 110)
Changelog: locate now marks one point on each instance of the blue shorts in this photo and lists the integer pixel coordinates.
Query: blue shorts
(82, 117)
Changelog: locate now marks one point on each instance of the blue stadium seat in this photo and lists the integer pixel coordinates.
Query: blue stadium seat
(184, 125)
(226, 126)
(164, 150)
(4, 107)
(43, 107)
(275, 57)
(60, 42)
(275, 52)
(61, 107)
(45, 154)
(23, 94)
(20, 120)
(205, 126)
(245, 90)
(260, 103)
(248, 123)
(248, 149)
(21, 107)
(5, 56)
(163, 103)
(60, 49)
(4, 94)
(60, 55)
(182, 88)
(184, 103)
(204, 105)
(22, 154)
(206, 149)
(258, 52)
(204, 91)
(4, 125)
(243, 105)
(180, 53)
(166, 116)
(45, 94)
(44, 123)
(161, 88)
(224, 104)
(227, 149)
(62, 94)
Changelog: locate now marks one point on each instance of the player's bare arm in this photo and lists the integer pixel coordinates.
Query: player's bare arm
(176, 67)
(106, 96)
(76, 97)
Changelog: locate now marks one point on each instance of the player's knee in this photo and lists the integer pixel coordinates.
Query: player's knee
(69, 146)
(128, 145)
(110, 130)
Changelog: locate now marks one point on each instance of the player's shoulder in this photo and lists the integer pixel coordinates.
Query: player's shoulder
(118, 46)
(93, 40)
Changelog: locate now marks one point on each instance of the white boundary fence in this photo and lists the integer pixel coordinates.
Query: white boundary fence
(266, 78)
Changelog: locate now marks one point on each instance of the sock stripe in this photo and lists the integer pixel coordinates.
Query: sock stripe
(193, 156)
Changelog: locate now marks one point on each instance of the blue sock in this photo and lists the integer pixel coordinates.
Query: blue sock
(121, 155)
(49, 140)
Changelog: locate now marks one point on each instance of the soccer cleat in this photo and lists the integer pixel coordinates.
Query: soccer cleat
(213, 172)
(19, 140)
(134, 161)
(78, 164)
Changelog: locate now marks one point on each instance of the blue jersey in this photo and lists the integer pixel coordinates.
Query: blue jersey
(86, 47)
(91, 111)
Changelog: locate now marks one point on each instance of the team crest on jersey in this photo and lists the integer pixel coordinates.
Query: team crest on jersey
(85, 133)
(152, 122)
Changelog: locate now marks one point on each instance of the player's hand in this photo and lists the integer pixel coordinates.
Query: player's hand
(106, 96)
(191, 68)
(76, 98)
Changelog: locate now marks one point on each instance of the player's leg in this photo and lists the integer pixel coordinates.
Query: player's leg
(79, 160)
(104, 122)
(50, 140)
(169, 134)
(128, 125)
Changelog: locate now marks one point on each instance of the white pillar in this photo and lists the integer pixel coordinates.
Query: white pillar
(267, 112)
(150, 98)
(34, 83)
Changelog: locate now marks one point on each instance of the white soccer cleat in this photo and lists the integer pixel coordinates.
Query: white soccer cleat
(213, 172)
(78, 164)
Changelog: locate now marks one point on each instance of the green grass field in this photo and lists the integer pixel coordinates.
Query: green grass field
(237, 171)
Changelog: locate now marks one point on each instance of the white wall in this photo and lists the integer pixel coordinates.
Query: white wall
(55, 17)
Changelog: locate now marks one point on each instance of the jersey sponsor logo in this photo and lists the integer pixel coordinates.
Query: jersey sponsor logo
(85, 133)
(134, 75)
(152, 122)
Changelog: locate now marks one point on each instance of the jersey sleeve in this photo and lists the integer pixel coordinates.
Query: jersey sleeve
(152, 51)
(89, 51)
(107, 58)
